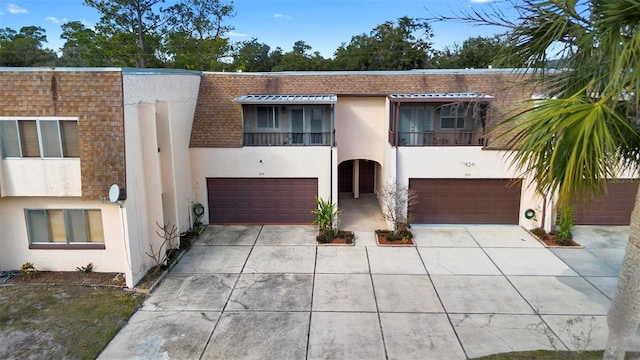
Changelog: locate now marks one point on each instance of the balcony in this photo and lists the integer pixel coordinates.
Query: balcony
(288, 139)
(437, 138)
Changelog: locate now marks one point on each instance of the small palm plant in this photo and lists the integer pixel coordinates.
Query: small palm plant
(564, 224)
(326, 214)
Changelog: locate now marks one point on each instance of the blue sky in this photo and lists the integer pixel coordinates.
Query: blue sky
(323, 24)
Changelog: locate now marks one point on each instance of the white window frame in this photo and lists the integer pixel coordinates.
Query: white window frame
(39, 131)
(67, 226)
(453, 115)
(274, 123)
(317, 111)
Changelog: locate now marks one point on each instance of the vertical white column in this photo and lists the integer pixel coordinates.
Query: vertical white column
(356, 179)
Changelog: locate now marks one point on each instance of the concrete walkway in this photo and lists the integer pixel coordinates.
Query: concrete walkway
(268, 292)
(362, 214)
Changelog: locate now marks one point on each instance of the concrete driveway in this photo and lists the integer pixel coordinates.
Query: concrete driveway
(268, 292)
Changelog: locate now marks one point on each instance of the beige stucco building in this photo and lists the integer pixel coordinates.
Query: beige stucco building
(252, 148)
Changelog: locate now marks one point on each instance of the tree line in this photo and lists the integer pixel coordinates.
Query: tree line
(194, 34)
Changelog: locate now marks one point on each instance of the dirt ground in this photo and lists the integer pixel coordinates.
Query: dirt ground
(62, 315)
(71, 278)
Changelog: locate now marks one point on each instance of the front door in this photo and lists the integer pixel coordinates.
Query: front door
(415, 121)
(367, 176)
(411, 125)
(345, 176)
(317, 135)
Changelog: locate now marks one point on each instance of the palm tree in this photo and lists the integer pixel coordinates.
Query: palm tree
(586, 130)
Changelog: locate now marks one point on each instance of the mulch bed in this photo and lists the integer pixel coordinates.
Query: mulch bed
(390, 238)
(382, 240)
(336, 241)
(551, 242)
(70, 278)
(335, 238)
(550, 239)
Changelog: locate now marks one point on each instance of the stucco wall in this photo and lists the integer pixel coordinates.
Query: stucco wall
(277, 161)
(14, 243)
(361, 128)
(144, 202)
(41, 177)
(158, 117)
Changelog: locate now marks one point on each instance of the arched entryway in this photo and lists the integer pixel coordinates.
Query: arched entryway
(357, 199)
(357, 177)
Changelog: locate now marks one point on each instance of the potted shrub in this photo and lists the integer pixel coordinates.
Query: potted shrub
(561, 234)
(334, 236)
(397, 200)
(327, 220)
(564, 224)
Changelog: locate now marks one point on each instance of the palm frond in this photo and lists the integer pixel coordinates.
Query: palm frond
(571, 145)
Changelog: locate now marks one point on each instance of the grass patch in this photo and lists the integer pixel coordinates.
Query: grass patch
(551, 355)
(65, 321)
(545, 355)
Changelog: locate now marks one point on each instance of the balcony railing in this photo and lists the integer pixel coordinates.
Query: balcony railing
(438, 138)
(288, 138)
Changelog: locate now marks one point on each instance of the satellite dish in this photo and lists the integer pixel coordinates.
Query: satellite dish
(114, 193)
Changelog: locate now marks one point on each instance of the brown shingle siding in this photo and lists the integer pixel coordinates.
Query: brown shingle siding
(218, 121)
(95, 98)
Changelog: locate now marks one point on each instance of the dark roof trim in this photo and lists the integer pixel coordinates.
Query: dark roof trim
(364, 95)
(507, 71)
(286, 99)
(441, 97)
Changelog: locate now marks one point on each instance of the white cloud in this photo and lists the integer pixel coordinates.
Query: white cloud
(55, 20)
(88, 25)
(233, 33)
(15, 9)
(282, 16)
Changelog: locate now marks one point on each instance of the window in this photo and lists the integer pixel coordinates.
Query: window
(39, 138)
(65, 226)
(316, 114)
(415, 124)
(452, 117)
(268, 117)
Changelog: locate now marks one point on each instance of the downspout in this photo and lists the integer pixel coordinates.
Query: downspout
(544, 210)
(332, 134)
(331, 174)
(396, 122)
(485, 119)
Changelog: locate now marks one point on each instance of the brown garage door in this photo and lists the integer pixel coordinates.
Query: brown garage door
(467, 201)
(261, 200)
(614, 209)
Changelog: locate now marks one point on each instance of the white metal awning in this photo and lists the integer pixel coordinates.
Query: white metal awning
(286, 99)
(440, 97)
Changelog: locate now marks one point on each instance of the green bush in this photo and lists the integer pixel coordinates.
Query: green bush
(326, 236)
(326, 213)
(400, 235)
(28, 270)
(564, 224)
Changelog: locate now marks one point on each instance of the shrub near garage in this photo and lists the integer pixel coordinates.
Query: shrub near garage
(327, 220)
